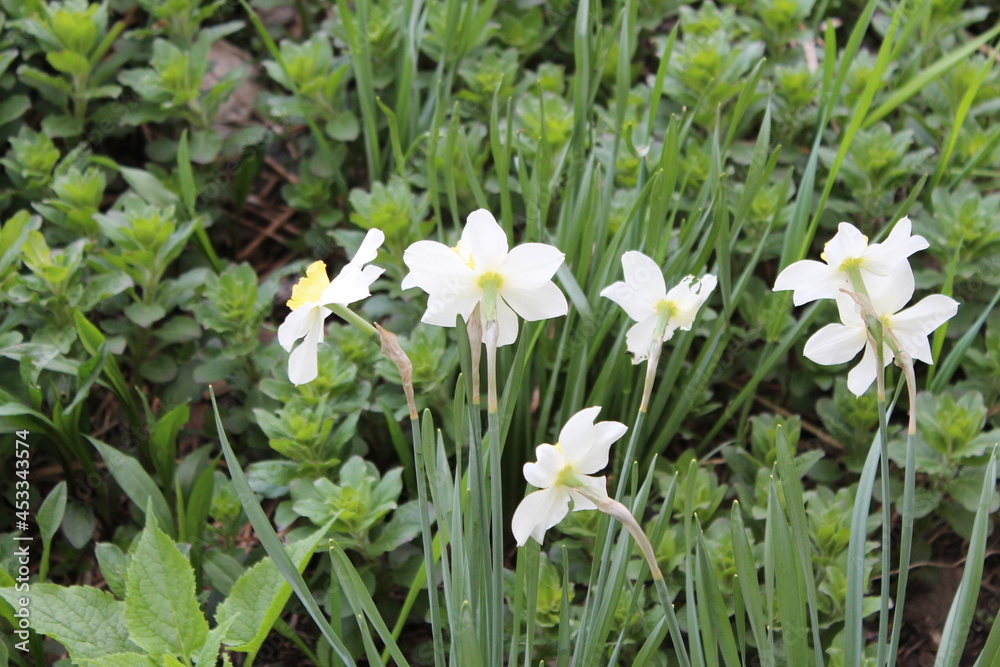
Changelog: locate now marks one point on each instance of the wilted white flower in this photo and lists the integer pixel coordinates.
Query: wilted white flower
(644, 297)
(313, 293)
(908, 329)
(846, 252)
(480, 270)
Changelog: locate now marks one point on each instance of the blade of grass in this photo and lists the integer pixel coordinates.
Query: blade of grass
(963, 607)
(361, 601)
(272, 545)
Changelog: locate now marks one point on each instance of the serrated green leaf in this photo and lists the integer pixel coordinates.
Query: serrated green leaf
(161, 610)
(88, 622)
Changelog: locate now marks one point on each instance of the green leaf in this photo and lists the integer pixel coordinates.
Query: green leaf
(114, 566)
(50, 514)
(208, 654)
(88, 622)
(205, 146)
(78, 525)
(68, 62)
(259, 595)
(161, 610)
(13, 108)
(163, 439)
(963, 608)
(62, 126)
(122, 660)
(269, 539)
(135, 481)
(344, 127)
(148, 186)
(145, 315)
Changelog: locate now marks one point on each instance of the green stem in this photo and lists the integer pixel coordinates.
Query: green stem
(491, 334)
(909, 484)
(426, 538)
(288, 633)
(355, 320)
(877, 340)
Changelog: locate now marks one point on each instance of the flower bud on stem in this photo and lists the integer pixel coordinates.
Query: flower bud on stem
(392, 349)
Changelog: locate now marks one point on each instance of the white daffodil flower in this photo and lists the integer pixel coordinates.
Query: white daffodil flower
(644, 297)
(907, 329)
(848, 251)
(481, 270)
(563, 473)
(312, 294)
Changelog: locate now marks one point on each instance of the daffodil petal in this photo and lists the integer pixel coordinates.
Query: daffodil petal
(545, 471)
(925, 316)
(882, 258)
(295, 326)
(847, 243)
(302, 362)
(644, 276)
(835, 344)
(597, 487)
(688, 296)
(485, 240)
(861, 376)
(890, 293)
(577, 434)
(639, 338)
(368, 250)
(810, 280)
(530, 265)
(352, 284)
(594, 457)
(536, 303)
(434, 267)
(539, 511)
(443, 307)
(913, 325)
(632, 303)
(507, 320)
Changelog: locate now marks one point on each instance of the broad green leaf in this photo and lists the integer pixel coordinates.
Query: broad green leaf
(50, 514)
(135, 482)
(208, 654)
(161, 609)
(148, 186)
(88, 622)
(259, 595)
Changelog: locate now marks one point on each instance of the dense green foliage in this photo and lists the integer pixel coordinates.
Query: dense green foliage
(168, 168)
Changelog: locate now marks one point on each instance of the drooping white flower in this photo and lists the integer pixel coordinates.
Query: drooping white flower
(839, 343)
(644, 297)
(847, 250)
(481, 270)
(313, 293)
(563, 473)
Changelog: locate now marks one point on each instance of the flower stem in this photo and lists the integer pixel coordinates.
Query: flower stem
(905, 362)
(355, 320)
(620, 512)
(876, 338)
(490, 337)
(395, 353)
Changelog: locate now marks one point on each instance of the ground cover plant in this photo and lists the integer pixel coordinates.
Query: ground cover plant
(478, 333)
